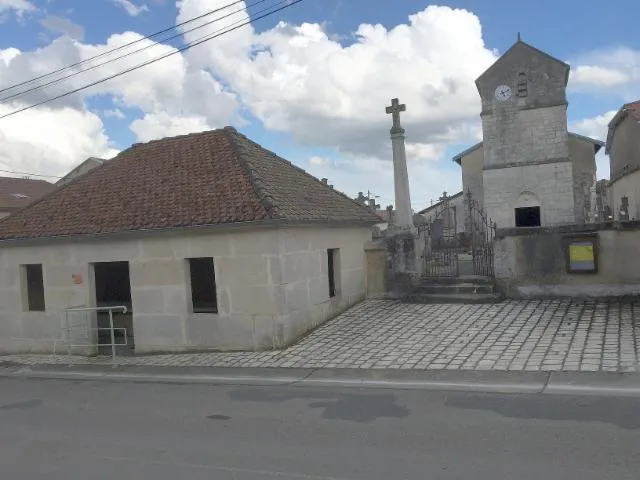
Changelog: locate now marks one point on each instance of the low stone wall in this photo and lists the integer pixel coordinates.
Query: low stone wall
(536, 262)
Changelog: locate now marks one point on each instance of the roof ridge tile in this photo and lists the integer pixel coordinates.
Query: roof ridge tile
(278, 157)
(258, 183)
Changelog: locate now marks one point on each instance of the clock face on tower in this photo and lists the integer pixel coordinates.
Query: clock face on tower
(503, 93)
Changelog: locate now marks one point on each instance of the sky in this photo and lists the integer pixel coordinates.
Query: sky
(310, 82)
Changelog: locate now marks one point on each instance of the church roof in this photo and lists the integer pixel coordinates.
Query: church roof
(216, 177)
(523, 45)
(628, 109)
(597, 145)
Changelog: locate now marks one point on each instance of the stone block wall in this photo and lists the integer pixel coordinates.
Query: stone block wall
(272, 286)
(516, 137)
(583, 162)
(531, 262)
(552, 185)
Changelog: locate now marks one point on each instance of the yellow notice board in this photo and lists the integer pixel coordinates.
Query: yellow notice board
(582, 256)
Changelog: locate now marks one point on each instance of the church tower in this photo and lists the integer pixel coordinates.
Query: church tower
(527, 171)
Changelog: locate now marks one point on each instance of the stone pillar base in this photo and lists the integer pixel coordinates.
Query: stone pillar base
(402, 251)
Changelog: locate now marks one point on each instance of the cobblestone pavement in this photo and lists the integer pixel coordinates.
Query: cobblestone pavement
(547, 335)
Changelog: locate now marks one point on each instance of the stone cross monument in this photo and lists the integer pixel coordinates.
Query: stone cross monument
(403, 218)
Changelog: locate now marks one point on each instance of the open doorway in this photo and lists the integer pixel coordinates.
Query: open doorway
(528, 217)
(527, 210)
(113, 288)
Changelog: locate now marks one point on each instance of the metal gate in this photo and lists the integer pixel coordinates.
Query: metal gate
(449, 252)
(441, 240)
(482, 231)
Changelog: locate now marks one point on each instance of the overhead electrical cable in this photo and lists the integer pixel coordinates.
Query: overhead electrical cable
(148, 37)
(236, 26)
(120, 57)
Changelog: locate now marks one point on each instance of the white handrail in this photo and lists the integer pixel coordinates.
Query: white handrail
(111, 328)
(96, 309)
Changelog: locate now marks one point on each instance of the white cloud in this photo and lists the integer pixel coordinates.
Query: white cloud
(174, 98)
(319, 161)
(114, 113)
(598, 76)
(166, 91)
(64, 137)
(298, 79)
(162, 124)
(63, 25)
(131, 8)
(594, 127)
(294, 78)
(613, 70)
(19, 6)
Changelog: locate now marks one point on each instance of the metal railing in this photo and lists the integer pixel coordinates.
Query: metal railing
(69, 329)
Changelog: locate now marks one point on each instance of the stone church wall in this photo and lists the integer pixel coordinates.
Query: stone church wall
(472, 174)
(514, 137)
(550, 183)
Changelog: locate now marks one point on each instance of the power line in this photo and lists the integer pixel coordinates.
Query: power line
(30, 174)
(287, 4)
(120, 47)
(57, 80)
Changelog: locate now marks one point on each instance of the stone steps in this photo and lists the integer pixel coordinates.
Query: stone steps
(467, 289)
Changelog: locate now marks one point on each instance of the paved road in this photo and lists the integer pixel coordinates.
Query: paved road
(62, 429)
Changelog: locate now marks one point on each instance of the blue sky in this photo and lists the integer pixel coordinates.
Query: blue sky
(583, 33)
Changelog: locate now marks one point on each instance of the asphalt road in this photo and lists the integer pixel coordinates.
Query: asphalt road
(62, 429)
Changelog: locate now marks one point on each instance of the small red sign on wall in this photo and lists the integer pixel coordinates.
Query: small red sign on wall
(77, 279)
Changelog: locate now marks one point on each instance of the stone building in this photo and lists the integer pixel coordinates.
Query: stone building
(87, 165)
(529, 170)
(17, 193)
(623, 148)
(211, 241)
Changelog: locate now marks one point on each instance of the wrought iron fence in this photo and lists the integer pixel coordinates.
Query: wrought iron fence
(445, 246)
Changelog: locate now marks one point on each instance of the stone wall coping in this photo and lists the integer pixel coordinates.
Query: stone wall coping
(375, 245)
(567, 229)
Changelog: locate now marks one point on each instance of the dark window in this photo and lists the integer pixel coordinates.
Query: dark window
(332, 254)
(528, 217)
(35, 288)
(203, 285)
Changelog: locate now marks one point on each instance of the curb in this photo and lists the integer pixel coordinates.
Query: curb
(504, 382)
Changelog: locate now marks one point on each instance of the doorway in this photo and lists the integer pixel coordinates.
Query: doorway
(527, 217)
(113, 288)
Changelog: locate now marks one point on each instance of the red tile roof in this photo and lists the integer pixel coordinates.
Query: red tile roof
(17, 193)
(634, 109)
(201, 179)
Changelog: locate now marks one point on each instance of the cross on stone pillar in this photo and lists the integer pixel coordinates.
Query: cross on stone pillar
(394, 109)
(403, 218)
